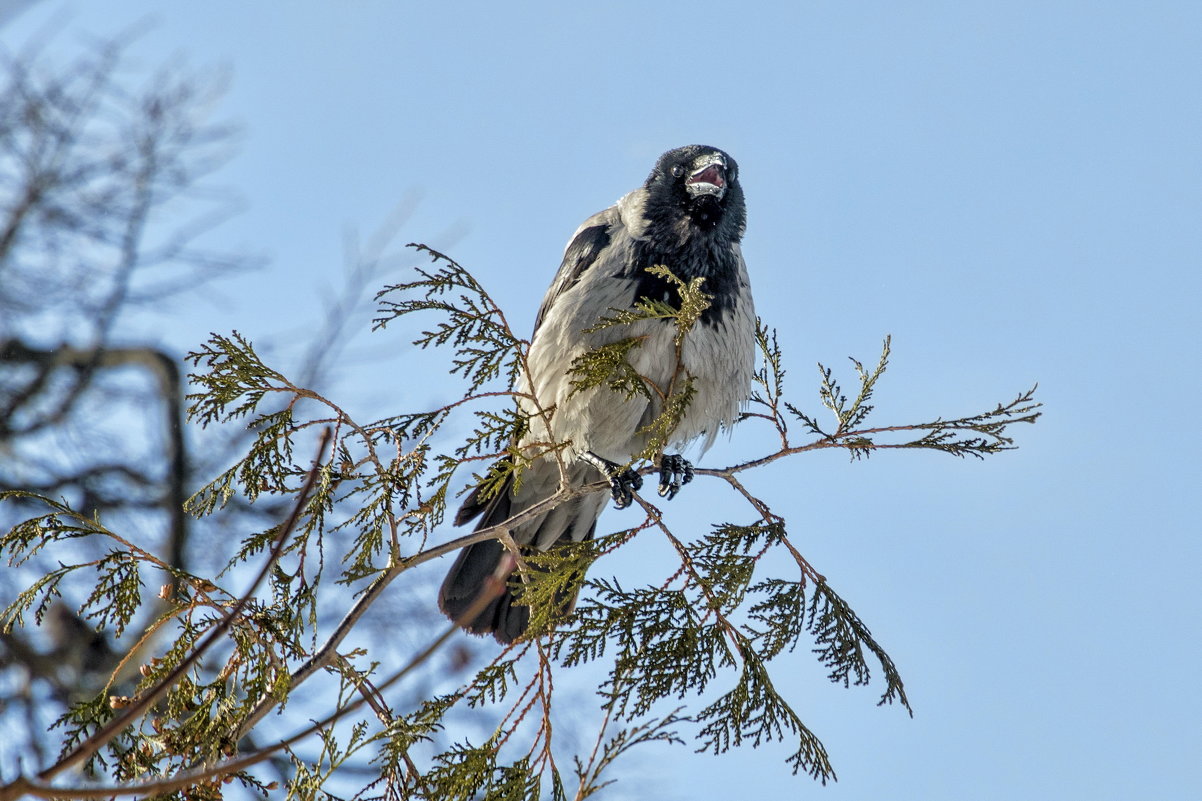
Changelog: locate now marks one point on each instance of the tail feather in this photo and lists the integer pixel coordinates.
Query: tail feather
(475, 503)
(463, 586)
(504, 617)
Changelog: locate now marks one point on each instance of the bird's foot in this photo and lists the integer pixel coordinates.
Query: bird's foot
(674, 472)
(623, 483)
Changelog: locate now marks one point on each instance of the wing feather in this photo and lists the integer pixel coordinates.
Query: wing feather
(583, 250)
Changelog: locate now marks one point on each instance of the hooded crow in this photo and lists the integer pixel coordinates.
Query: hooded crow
(688, 216)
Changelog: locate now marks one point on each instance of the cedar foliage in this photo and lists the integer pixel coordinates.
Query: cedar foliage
(687, 660)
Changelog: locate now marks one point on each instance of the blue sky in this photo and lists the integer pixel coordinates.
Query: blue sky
(1013, 191)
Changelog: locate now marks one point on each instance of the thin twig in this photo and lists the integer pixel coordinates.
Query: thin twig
(89, 747)
(493, 587)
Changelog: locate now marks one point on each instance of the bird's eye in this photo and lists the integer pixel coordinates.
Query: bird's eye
(677, 171)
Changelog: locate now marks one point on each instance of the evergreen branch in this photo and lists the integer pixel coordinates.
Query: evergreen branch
(324, 655)
(23, 786)
(842, 637)
(693, 303)
(665, 647)
(860, 409)
(769, 382)
(609, 365)
(135, 710)
(476, 326)
(658, 432)
(328, 651)
(556, 576)
(946, 436)
(642, 309)
(116, 596)
(722, 562)
(485, 346)
(754, 711)
(710, 616)
(786, 612)
(31, 535)
(45, 588)
(235, 382)
(651, 731)
(833, 398)
(492, 682)
(693, 300)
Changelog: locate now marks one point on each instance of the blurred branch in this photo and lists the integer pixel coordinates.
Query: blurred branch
(85, 167)
(37, 788)
(167, 376)
(144, 701)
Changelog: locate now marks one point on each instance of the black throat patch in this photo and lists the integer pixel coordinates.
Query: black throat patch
(710, 258)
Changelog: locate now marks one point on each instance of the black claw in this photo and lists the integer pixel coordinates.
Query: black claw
(674, 472)
(623, 484)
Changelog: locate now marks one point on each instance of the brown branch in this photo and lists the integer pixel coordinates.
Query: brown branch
(586, 769)
(328, 649)
(106, 733)
(494, 586)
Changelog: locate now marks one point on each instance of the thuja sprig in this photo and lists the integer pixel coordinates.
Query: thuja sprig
(557, 574)
(485, 346)
(658, 432)
(976, 435)
(785, 609)
(706, 635)
(754, 712)
(693, 303)
(956, 436)
(608, 364)
(768, 382)
(607, 751)
(116, 594)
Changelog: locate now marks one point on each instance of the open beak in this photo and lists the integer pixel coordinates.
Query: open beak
(708, 179)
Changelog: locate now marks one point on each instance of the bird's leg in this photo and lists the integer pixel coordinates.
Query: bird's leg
(674, 472)
(622, 483)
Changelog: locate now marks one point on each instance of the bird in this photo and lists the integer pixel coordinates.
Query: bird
(689, 216)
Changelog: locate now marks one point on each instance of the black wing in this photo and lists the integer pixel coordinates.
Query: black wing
(581, 253)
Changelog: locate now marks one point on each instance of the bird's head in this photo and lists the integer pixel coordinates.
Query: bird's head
(699, 184)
